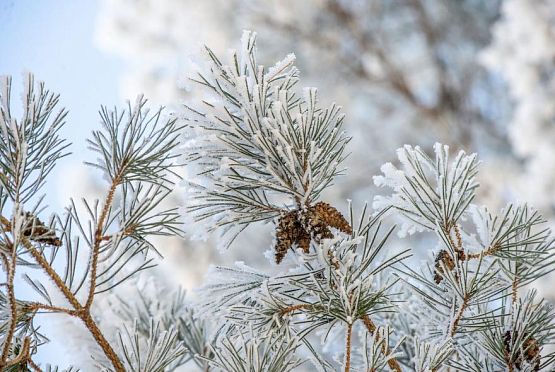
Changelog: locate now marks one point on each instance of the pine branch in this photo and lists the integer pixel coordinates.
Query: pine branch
(80, 311)
(99, 237)
(9, 264)
(135, 152)
(261, 149)
(371, 327)
(348, 347)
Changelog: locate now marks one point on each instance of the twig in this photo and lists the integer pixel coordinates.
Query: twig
(458, 317)
(371, 327)
(23, 355)
(486, 252)
(348, 347)
(514, 292)
(293, 308)
(35, 306)
(98, 238)
(80, 311)
(34, 365)
(508, 361)
(10, 273)
(58, 281)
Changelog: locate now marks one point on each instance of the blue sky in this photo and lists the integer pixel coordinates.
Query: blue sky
(54, 40)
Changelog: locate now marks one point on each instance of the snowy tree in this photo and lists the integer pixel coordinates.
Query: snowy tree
(340, 290)
(341, 296)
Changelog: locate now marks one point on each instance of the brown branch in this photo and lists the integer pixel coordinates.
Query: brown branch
(514, 287)
(23, 355)
(371, 327)
(348, 347)
(98, 238)
(36, 306)
(508, 361)
(58, 281)
(80, 311)
(293, 308)
(87, 319)
(458, 245)
(33, 365)
(486, 252)
(127, 232)
(458, 317)
(10, 274)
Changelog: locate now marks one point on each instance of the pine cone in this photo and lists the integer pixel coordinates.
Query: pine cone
(531, 351)
(316, 225)
(286, 234)
(38, 232)
(442, 257)
(303, 241)
(300, 227)
(330, 217)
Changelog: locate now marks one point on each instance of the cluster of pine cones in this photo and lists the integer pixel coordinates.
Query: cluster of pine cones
(531, 352)
(301, 226)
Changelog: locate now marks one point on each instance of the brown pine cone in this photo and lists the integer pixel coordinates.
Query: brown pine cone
(300, 227)
(286, 234)
(442, 257)
(532, 352)
(330, 217)
(303, 241)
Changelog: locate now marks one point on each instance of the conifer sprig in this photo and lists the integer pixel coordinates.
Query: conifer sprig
(261, 148)
(83, 254)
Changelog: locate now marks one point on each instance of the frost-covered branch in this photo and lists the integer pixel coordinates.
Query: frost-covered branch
(136, 154)
(260, 148)
(482, 259)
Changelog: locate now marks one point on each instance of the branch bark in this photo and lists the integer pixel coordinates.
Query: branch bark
(79, 311)
(348, 347)
(99, 237)
(10, 294)
(458, 317)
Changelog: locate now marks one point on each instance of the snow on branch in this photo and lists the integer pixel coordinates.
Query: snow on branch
(260, 148)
